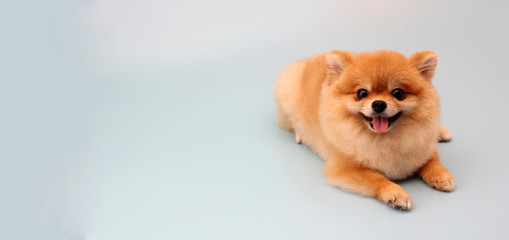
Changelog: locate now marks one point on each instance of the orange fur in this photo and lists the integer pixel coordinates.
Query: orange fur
(317, 99)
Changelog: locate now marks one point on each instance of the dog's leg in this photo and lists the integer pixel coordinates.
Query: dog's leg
(444, 134)
(354, 178)
(436, 175)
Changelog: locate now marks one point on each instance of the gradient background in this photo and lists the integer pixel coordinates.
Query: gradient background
(155, 119)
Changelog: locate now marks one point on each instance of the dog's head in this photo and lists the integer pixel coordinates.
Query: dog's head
(380, 90)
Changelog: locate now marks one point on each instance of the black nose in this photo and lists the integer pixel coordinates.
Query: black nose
(379, 106)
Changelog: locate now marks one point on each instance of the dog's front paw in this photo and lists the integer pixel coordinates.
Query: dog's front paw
(441, 180)
(394, 196)
(445, 135)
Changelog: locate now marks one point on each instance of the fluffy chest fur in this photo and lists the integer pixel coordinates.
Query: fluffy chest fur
(394, 157)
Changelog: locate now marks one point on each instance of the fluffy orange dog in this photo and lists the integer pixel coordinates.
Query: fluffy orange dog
(372, 116)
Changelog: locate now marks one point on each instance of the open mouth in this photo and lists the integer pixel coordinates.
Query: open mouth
(379, 123)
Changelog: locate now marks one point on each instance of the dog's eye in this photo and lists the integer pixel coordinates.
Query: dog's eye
(362, 93)
(398, 93)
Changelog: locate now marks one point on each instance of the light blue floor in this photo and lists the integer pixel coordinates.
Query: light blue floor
(155, 120)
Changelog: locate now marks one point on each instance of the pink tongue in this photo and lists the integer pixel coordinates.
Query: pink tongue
(380, 124)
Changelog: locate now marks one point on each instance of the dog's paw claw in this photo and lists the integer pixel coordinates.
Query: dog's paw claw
(298, 139)
(394, 196)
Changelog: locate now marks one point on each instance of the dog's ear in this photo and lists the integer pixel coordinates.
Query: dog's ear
(337, 61)
(425, 62)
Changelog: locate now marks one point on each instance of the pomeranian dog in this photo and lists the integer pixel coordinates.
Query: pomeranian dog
(371, 116)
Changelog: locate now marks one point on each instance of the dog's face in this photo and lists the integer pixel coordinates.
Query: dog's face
(382, 90)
